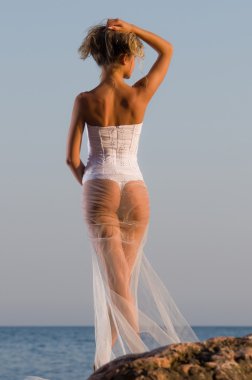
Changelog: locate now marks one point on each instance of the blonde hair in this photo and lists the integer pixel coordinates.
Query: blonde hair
(106, 45)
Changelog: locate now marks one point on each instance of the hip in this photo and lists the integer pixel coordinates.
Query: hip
(119, 174)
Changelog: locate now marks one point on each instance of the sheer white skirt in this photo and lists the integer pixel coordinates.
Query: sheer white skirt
(133, 310)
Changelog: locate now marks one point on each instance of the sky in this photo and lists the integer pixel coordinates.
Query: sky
(194, 152)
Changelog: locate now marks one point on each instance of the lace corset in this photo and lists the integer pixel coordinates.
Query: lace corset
(112, 152)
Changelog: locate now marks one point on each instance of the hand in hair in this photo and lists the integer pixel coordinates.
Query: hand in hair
(119, 25)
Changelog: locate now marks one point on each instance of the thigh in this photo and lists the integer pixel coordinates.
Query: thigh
(101, 200)
(134, 213)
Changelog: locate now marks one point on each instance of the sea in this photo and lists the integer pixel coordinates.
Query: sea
(66, 352)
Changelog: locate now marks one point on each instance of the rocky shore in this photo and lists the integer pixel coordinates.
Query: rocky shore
(218, 358)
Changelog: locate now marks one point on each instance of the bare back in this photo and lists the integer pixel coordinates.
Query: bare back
(106, 105)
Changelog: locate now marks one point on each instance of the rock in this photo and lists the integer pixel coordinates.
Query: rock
(218, 358)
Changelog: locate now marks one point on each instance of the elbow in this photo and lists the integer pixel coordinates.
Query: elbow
(167, 49)
(68, 161)
(170, 47)
(73, 162)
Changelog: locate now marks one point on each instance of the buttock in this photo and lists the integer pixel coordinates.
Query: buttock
(109, 200)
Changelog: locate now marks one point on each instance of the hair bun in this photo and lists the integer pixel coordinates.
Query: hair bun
(105, 45)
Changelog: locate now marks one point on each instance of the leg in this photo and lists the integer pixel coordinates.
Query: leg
(134, 213)
(101, 202)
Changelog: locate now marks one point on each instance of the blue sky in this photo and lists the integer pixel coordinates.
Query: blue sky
(194, 153)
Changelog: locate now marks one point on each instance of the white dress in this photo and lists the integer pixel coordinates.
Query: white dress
(133, 310)
(130, 300)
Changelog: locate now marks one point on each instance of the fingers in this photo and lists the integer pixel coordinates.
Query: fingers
(118, 24)
(112, 20)
(112, 23)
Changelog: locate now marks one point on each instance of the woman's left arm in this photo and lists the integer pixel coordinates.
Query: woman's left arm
(74, 139)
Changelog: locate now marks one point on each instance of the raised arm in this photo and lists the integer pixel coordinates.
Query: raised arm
(150, 82)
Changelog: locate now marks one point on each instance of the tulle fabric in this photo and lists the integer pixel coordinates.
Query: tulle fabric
(133, 310)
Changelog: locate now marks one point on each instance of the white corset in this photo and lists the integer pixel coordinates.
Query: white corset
(112, 152)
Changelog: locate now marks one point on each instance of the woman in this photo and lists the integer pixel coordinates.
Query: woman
(133, 310)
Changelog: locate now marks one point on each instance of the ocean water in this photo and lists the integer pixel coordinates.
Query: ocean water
(65, 352)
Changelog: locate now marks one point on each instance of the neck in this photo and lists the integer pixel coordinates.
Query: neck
(110, 75)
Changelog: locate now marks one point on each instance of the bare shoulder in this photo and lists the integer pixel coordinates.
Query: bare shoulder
(138, 92)
(149, 84)
(82, 96)
(141, 91)
(140, 83)
(87, 96)
(79, 107)
(81, 100)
